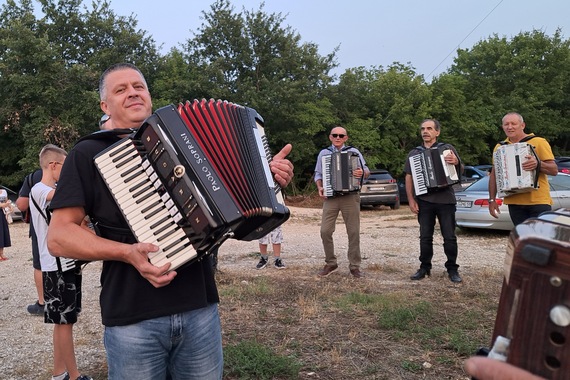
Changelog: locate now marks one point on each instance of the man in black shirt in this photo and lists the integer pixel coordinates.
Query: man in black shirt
(436, 203)
(156, 322)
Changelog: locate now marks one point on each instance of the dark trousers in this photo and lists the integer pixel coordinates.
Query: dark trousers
(520, 213)
(445, 214)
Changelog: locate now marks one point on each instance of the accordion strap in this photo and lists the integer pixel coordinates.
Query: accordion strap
(105, 134)
(47, 218)
(524, 139)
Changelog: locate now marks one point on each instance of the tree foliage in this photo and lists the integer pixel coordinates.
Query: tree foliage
(49, 71)
(526, 74)
(50, 65)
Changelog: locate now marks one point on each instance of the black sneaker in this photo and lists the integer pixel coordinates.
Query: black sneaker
(421, 273)
(279, 264)
(454, 277)
(36, 309)
(262, 263)
(83, 377)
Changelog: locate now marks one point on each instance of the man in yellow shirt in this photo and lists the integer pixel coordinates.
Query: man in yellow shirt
(531, 204)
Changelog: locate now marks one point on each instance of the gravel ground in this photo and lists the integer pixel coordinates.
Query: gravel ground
(389, 239)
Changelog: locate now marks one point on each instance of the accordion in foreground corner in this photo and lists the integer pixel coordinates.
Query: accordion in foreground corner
(532, 327)
(430, 171)
(338, 168)
(511, 177)
(192, 177)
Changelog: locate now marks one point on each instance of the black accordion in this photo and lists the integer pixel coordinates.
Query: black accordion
(532, 327)
(430, 171)
(193, 176)
(338, 168)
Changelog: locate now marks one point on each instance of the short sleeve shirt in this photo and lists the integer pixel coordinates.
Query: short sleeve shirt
(126, 297)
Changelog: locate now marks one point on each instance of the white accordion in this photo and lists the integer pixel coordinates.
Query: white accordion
(511, 177)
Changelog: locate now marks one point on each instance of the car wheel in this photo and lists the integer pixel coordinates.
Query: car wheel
(396, 205)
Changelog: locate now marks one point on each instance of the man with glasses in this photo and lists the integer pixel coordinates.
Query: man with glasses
(346, 203)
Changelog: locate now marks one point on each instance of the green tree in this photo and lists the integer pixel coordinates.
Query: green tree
(251, 58)
(49, 71)
(382, 109)
(527, 74)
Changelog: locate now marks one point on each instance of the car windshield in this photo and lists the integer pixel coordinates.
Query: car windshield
(481, 185)
(379, 176)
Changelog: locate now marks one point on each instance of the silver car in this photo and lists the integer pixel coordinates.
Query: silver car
(473, 204)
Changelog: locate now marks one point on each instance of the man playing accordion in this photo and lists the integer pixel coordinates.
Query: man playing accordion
(348, 203)
(436, 202)
(532, 203)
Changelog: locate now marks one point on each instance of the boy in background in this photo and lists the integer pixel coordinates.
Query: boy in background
(62, 289)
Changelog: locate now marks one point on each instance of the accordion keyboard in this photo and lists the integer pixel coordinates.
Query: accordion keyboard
(151, 216)
(327, 183)
(417, 164)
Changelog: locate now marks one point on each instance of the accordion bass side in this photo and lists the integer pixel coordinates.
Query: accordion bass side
(430, 171)
(511, 177)
(192, 177)
(338, 168)
(532, 327)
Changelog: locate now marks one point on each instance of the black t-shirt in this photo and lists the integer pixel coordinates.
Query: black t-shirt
(445, 195)
(29, 181)
(127, 297)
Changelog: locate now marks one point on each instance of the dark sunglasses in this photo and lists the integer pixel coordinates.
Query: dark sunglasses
(335, 135)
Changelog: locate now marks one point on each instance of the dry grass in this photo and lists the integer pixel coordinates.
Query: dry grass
(341, 328)
(381, 327)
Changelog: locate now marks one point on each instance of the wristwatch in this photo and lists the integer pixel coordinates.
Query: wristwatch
(492, 200)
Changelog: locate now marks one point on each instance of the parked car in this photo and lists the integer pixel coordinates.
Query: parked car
(380, 188)
(473, 203)
(470, 174)
(563, 164)
(12, 196)
(402, 191)
(485, 168)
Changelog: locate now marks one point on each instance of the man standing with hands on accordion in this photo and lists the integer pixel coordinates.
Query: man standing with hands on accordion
(436, 203)
(346, 203)
(532, 203)
(158, 324)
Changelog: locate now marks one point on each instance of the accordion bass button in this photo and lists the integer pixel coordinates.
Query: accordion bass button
(179, 171)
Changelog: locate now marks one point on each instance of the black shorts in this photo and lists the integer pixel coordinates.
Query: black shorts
(62, 295)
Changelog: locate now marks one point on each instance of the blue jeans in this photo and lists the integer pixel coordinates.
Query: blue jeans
(445, 214)
(520, 213)
(180, 346)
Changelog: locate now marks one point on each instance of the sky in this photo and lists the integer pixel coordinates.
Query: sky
(422, 33)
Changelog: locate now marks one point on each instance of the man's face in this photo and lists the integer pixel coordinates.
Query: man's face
(428, 131)
(513, 127)
(338, 137)
(127, 101)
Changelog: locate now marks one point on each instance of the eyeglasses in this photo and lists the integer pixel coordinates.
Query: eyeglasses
(338, 135)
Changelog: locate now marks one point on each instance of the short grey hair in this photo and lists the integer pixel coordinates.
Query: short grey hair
(513, 113)
(111, 69)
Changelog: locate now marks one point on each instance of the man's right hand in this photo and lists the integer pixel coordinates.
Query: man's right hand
(494, 209)
(157, 276)
(413, 205)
